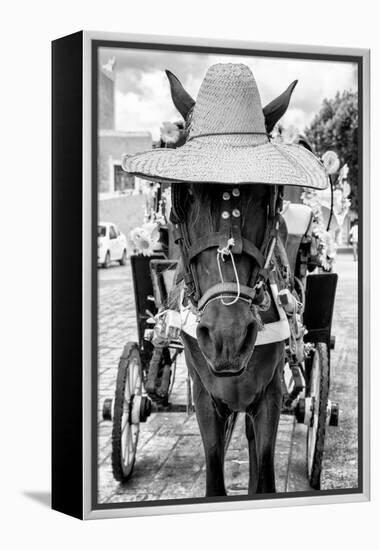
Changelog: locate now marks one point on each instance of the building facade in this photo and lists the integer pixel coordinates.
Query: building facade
(113, 144)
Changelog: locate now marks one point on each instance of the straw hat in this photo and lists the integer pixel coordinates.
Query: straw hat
(228, 143)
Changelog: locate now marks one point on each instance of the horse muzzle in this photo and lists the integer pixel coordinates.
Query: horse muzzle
(224, 371)
(226, 337)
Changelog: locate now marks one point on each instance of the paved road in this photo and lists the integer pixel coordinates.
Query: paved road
(340, 463)
(170, 461)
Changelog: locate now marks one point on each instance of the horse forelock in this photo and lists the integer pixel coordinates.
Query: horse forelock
(206, 205)
(200, 208)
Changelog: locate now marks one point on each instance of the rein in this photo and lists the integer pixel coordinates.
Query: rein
(228, 242)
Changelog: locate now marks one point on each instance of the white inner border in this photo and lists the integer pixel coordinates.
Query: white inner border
(88, 513)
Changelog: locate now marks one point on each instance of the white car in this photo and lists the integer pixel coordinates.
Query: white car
(111, 244)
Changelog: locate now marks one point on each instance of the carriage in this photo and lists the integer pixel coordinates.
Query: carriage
(146, 370)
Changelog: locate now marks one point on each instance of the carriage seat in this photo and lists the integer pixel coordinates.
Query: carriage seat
(298, 220)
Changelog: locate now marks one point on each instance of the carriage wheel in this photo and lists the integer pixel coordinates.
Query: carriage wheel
(125, 420)
(318, 392)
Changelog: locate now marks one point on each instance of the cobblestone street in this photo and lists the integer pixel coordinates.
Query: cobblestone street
(170, 460)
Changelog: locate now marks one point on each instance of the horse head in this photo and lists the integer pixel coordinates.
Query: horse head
(228, 325)
(224, 271)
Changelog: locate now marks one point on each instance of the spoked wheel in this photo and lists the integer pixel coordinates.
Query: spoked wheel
(318, 393)
(127, 411)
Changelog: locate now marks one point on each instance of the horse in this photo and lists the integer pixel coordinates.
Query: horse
(228, 290)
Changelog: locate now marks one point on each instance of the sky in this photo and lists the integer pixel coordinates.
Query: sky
(142, 92)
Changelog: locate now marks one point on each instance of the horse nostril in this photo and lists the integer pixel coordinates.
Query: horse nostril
(248, 341)
(208, 340)
(203, 333)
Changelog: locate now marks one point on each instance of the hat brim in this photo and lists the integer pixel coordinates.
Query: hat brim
(209, 161)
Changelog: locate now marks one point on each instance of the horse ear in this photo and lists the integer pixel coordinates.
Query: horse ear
(302, 140)
(276, 108)
(182, 100)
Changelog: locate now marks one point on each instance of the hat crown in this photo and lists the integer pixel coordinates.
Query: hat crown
(228, 102)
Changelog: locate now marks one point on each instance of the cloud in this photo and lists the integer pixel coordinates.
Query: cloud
(143, 98)
(146, 107)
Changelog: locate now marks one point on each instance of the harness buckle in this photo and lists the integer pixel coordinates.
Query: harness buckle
(226, 250)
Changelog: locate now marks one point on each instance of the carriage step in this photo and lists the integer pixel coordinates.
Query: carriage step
(140, 411)
(333, 413)
(107, 408)
(172, 408)
(304, 411)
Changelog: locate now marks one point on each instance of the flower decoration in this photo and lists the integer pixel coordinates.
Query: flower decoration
(145, 238)
(331, 162)
(344, 171)
(342, 191)
(325, 251)
(346, 188)
(290, 135)
(169, 132)
(276, 134)
(330, 246)
(285, 135)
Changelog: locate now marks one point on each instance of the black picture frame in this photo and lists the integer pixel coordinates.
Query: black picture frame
(74, 272)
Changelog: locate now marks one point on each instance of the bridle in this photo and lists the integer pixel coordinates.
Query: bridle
(228, 241)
